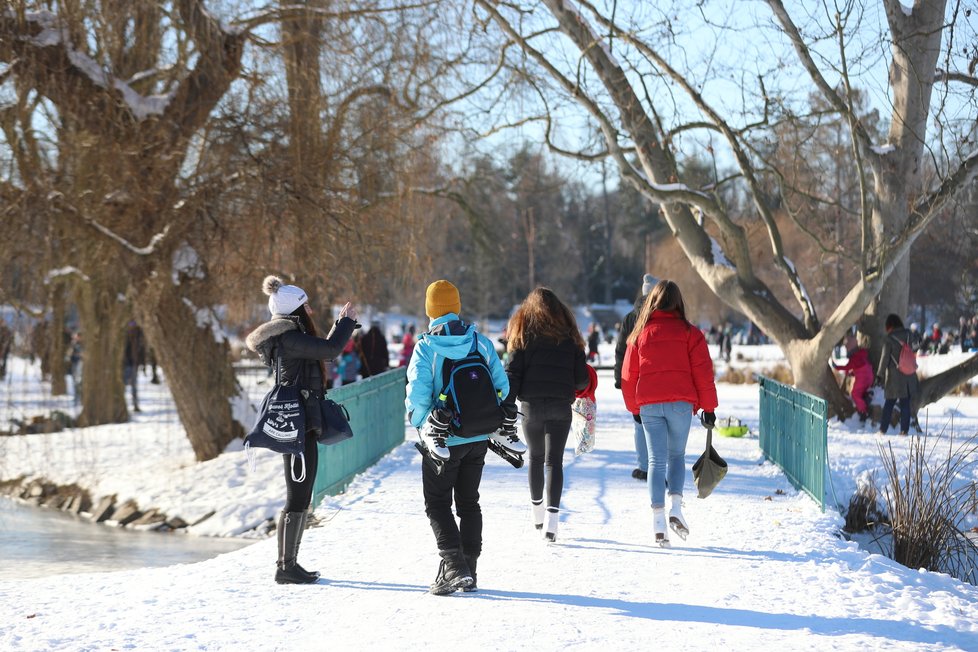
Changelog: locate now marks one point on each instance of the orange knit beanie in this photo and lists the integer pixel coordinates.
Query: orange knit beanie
(441, 298)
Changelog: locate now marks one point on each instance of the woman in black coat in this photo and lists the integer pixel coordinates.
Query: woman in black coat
(546, 368)
(291, 335)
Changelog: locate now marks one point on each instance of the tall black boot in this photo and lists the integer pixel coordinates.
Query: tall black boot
(289, 532)
(472, 561)
(453, 573)
(303, 518)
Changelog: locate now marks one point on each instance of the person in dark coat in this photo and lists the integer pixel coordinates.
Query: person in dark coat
(374, 357)
(898, 387)
(291, 335)
(133, 357)
(641, 472)
(546, 368)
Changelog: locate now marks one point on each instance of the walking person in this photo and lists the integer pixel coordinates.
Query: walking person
(374, 356)
(457, 473)
(666, 378)
(898, 387)
(593, 338)
(133, 357)
(546, 368)
(291, 334)
(641, 472)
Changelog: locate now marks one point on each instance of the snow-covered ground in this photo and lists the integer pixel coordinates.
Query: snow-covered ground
(763, 568)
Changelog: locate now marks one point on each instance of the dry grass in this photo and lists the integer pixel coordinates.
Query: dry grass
(926, 505)
(734, 376)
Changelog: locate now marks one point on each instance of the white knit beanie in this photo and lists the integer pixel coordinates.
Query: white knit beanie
(648, 282)
(282, 299)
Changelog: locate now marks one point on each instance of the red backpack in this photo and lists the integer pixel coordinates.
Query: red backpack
(907, 363)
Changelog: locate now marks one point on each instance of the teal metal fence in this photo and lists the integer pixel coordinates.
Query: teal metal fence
(376, 407)
(794, 435)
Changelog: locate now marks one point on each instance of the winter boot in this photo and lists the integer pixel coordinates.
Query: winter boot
(659, 526)
(453, 573)
(550, 532)
(676, 520)
(303, 519)
(472, 561)
(287, 571)
(434, 431)
(539, 511)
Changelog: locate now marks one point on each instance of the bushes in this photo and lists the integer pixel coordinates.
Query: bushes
(925, 503)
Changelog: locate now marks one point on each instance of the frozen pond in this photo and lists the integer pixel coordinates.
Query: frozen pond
(36, 542)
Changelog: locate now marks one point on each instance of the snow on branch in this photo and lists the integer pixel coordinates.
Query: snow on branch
(141, 251)
(52, 34)
(62, 272)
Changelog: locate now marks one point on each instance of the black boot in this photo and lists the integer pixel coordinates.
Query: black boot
(453, 573)
(289, 533)
(303, 518)
(472, 561)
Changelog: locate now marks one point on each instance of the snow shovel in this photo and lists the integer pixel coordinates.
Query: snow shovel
(709, 469)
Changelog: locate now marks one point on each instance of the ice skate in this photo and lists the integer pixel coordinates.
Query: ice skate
(676, 520)
(659, 527)
(433, 433)
(539, 512)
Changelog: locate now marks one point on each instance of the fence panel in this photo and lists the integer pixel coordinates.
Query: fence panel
(376, 407)
(794, 435)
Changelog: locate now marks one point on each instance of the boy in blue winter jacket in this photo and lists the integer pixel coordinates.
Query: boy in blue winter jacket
(457, 465)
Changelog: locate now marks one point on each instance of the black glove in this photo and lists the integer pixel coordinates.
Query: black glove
(708, 419)
(617, 384)
(637, 417)
(509, 417)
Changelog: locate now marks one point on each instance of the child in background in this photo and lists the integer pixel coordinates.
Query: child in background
(862, 372)
(347, 365)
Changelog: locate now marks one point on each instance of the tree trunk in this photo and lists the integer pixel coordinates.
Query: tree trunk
(937, 386)
(812, 374)
(57, 347)
(196, 365)
(102, 318)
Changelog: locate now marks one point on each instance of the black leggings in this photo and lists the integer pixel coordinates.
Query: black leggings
(546, 425)
(298, 495)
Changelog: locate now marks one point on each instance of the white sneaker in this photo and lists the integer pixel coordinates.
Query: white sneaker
(539, 511)
(550, 529)
(659, 526)
(509, 440)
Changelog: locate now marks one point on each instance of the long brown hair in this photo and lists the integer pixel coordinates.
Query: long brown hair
(309, 325)
(542, 314)
(664, 296)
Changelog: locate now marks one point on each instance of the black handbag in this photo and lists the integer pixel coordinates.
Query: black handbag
(281, 422)
(336, 423)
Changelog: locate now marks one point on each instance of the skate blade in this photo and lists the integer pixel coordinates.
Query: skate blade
(677, 527)
(513, 458)
(663, 543)
(436, 463)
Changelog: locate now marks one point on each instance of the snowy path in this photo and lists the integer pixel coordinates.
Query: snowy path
(761, 570)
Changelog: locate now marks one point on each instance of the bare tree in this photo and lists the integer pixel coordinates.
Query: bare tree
(630, 66)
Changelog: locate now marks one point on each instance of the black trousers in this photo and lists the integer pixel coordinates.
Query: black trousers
(298, 495)
(459, 480)
(546, 425)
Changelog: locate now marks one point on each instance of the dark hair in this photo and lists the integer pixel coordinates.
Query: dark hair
(542, 314)
(664, 296)
(309, 326)
(893, 322)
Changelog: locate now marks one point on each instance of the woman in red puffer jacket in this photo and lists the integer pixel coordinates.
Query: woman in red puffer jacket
(667, 376)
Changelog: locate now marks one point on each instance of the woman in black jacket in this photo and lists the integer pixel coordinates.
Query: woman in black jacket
(291, 335)
(546, 368)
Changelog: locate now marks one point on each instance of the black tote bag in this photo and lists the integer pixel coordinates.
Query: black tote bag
(336, 423)
(281, 422)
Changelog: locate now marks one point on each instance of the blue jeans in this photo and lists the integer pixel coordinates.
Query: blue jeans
(888, 414)
(641, 446)
(666, 431)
